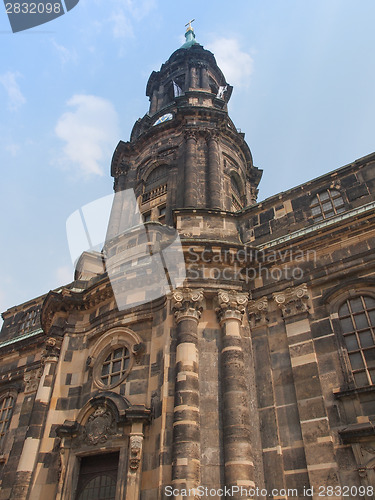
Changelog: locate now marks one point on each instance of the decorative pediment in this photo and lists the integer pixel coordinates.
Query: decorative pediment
(101, 418)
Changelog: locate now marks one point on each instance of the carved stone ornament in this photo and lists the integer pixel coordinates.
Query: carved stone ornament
(31, 380)
(292, 301)
(135, 452)
(232, 305)
(191, 134)
(364, 454)
(258, 310)
(187, 303)
(51, 349)
(99, 426)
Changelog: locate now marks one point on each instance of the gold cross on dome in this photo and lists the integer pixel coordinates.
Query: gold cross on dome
(189, 25)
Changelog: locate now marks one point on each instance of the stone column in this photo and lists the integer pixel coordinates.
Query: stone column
(318, 442)
(154, 103)
(190, 170)
(30, 450)
(193, 80)
(214, 171)
(171, 195)
(205, 82)
(238, 458)
(187, 307)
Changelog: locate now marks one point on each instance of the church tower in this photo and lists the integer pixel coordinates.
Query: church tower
(186, 152)
(215, 346)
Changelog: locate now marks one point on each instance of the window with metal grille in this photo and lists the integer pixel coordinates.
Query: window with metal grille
(6, 410)
(327, 204)
(357, 319)
(115, 366)
(97, 477)
(156, 184)
(29, 321)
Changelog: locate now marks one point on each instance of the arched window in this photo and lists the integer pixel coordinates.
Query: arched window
(357, 320)
(236, 194)
(156, 183)
(7, 401)
(327, 204)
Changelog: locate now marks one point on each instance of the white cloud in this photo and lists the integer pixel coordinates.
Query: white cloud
(9, 81)
(65, 54)
(236, 65)
(64, 275)
(121, 25)
(125, 12)
(13, 148)
(140, 8)
(88, 131)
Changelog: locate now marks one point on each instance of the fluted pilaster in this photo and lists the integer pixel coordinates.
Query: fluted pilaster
(187, 307)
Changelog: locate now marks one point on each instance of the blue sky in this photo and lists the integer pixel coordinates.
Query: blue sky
(303, 73)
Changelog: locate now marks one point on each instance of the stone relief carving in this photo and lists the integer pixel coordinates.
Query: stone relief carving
(135, 452)
(292, 301)
(51, 348)
(365, 457)
(31, 380)
(99, 427)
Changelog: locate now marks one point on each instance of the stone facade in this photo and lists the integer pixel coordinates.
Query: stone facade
(258, 372)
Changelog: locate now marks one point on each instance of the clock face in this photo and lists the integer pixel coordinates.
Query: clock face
(162, 119)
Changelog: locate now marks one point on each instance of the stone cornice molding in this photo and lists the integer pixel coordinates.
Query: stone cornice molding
(187, 304)
(292, 301)
(232, 305)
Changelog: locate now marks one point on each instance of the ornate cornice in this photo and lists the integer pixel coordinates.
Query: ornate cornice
(67, 300)
(187, 304)
(232, 305)
(292, 301)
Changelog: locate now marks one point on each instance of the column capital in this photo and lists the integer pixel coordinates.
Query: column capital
(187, 303)
(293, 300)
(212, 135)
(258, 310)
(232, 305)
(191, 134)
